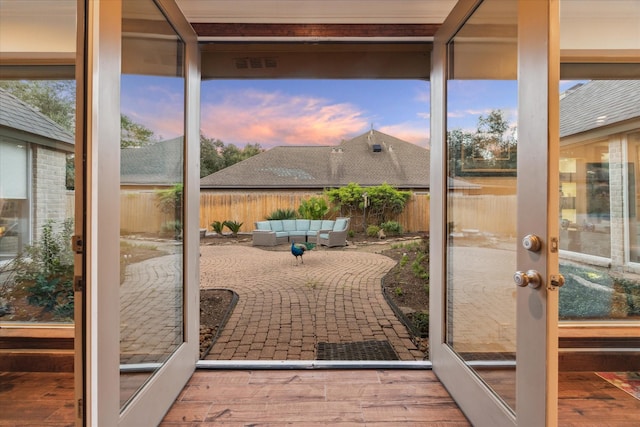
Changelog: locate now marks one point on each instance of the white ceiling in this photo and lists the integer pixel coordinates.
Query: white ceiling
(317, 11)
(49, 25)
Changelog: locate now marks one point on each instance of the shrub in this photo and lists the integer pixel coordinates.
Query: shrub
(45, 270)
(383, 202)
(282, 214)
(314, 208)
(234, 226)
(421, 321)
(391, 227)
(418, 266)
(173, 228)
(404, 260)
(372, 230)
(170, 200)
(217, 226)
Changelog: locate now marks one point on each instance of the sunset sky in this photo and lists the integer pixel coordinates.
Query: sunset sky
(312, 112)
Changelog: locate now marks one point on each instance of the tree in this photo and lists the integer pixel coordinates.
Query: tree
(215, 155)
(491, 148)
(133, 134)
(52, 98)
(210, 160)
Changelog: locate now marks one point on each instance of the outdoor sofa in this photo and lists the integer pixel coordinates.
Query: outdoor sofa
(321, 231)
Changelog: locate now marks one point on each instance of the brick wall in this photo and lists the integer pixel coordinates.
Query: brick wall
(48, 184)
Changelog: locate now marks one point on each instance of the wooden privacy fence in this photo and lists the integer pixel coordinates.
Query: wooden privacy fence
(139, 212)
(490, 213)
(486, 213)
(256, 206)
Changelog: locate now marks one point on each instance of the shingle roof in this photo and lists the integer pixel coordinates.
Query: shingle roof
(16, 114)
(598, 103)
(398, 163)
(160, 163)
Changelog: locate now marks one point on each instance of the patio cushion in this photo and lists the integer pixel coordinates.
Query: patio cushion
(302, 224)
(263, 225)
(288, 224)
(316, 224)
(282, 234)
(300, 233)
(276, 225)
(327, 224)
(340, 225)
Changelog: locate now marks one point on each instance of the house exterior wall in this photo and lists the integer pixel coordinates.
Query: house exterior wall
(49, 189)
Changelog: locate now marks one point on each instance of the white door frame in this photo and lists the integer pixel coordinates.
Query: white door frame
(101, 88)
(538, 99)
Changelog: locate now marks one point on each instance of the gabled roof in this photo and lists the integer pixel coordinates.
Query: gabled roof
(370, 159)
(160, 163)
(598, 103)
(32, 126)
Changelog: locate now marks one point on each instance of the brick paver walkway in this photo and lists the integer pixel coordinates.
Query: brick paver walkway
(285, 310)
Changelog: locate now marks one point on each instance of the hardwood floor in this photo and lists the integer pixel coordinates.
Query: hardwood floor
(311, 398)
(36, 399)
(315, 398)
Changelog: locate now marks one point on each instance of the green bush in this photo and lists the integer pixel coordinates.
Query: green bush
(420, 266)
(384, 201)
(421, 321)
(314, 208)
(173, 228)
(404, 260)
(45, 270)
(234, 226)
(282, 214)
(217, 226)
(391, 227)
(372, 230)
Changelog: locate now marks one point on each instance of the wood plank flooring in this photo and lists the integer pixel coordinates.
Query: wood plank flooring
(311, 398)
(315, 398)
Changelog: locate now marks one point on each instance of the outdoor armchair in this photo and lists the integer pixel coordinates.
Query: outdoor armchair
(337, 236)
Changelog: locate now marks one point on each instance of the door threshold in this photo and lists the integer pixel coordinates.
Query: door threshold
(311, 364)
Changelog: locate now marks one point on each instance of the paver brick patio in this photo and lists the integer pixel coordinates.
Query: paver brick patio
(285, 309)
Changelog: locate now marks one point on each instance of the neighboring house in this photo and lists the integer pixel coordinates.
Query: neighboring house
(152, 166)
(144, 171)
(33, 156)
(281, 177)
(369, 159)
(599, 126)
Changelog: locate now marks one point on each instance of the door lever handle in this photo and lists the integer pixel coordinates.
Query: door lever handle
(529, 278)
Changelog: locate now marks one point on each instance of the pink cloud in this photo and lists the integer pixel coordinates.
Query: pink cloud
(274, 118)
(416, 133)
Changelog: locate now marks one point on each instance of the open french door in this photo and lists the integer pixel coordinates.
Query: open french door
(494, 139)
(140, 326)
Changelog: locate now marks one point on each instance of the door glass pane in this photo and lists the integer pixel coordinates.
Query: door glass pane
(151, 183)
(481, 198)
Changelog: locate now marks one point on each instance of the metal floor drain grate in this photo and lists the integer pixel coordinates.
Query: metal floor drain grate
(362, 350)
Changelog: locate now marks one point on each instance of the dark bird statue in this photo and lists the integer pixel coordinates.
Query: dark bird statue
(298, 251)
